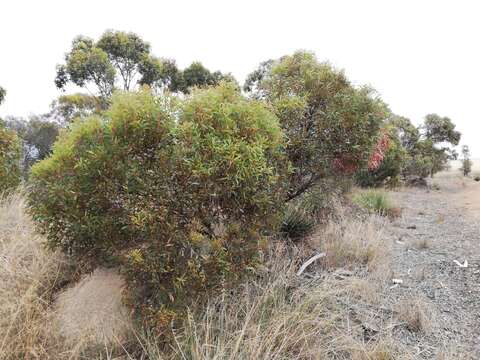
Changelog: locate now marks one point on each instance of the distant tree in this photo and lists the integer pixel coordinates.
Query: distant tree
(69, 107)
(160, 73)
(10, 153)
(440, 129)
(120, 60)
(37, 137)
(115, 58)
(254, 79)
(197, 75)
(125, 52)
(3, 93)
(466, 162)
(403, 129)
(427, 147)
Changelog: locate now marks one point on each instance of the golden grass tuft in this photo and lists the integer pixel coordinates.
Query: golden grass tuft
(27, 276)
(416, 314)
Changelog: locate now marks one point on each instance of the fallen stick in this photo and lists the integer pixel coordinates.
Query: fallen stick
(309, 261)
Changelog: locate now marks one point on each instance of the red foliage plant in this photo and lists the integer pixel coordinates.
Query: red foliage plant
(378, 154)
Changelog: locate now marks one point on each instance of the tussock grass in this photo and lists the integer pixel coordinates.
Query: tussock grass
(376, 201)
(416, 314)
(27, 277)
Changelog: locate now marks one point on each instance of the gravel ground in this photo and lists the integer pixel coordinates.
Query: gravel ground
(438, 226)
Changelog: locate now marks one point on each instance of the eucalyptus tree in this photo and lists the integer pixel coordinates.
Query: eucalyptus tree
(114, 61)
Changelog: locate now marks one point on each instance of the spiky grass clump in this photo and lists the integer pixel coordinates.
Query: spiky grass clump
(297, 223)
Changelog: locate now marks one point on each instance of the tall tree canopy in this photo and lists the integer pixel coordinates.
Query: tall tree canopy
(121, 60)
(440, 129)
(114, 60)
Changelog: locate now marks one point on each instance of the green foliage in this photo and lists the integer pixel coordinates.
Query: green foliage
(331, 126)
(440, 129)
(37, 137)
(69, 107)
(125, 52)
(374, 201)
(115, 58)
(10, 153)
(178, 195)
(3, 93)
(162, 74)
(125, 59)
(196, 75)
(425, 147)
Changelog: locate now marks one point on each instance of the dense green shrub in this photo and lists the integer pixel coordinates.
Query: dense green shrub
(179, 195)
(331, 125)
(10, 155)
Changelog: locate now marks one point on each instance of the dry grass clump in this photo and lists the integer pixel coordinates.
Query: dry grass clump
(27, 276)
(33, 324)
(91, 313)
(416, 314)
(350, 242)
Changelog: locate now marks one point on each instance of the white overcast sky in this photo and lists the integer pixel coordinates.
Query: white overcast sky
(422, 56)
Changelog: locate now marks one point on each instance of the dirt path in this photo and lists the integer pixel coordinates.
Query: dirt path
(437, 228)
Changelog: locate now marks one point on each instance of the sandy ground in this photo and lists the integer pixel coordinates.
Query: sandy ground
(468, 198)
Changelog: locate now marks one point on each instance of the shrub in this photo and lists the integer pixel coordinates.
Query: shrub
(10, 155)
(375, 201)
(178, 195)
(388, 170)
(331, 126)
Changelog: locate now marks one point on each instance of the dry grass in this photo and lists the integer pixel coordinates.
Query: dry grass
(29, 279)
(416, 314)
(27, 275)
(91, 312)
(277, 315)
(351, 243)
(421, 244)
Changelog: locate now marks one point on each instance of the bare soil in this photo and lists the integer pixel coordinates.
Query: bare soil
(436, 257)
